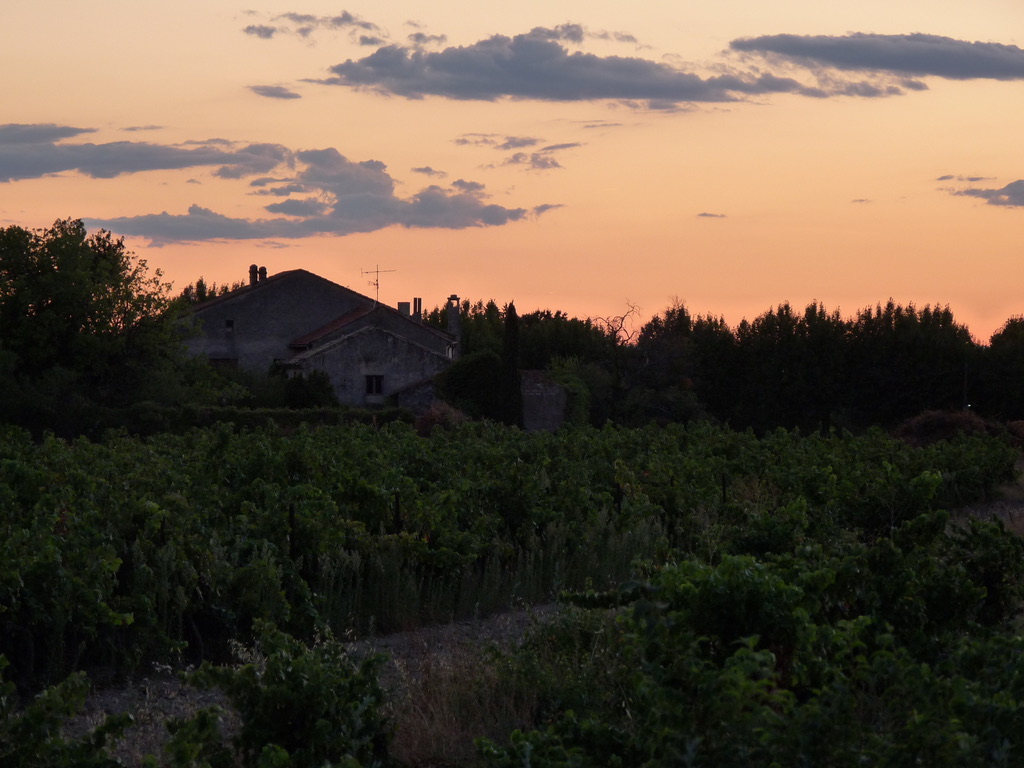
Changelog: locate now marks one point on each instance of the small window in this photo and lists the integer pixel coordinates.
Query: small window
(229, 326)
(374, 385)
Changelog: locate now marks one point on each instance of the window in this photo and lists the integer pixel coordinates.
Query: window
(229, 327)
(374, 385)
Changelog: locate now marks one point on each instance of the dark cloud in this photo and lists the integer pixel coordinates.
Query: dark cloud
(299, 207)
(496, 141)
(535, 161)
(707, 215)
(26, 154)
(914, 54)
(574, 33)
(274, 92)
(539, 210)
(542, 159)
(517, 142)
(1012, 195)
(426, 170)
(421, 38)
(40, 133)
(971, 179)
(262, 31)
(370, 40)
(468, 186)
(137, 128)
(325, 194)
(537, 66)
(305, 24)
(860, 200)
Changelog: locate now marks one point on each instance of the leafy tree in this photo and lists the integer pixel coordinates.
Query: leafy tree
(81, 319)
(200, 291)
(473, 384)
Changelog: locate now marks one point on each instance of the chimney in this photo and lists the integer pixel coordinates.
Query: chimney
(417, 309)
(253, 274)
(403, 307)
(263, 273)
(454, 322)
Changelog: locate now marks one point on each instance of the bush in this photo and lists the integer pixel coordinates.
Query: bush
(301, 707)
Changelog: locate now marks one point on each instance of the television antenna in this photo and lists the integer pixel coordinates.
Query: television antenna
(376, 272)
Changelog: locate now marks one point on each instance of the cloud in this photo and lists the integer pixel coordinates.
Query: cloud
(497, 141)
(262, 31)
(542, 159)
(535, 161)
(1012, 195)
(426, 170)
(37, 133)
(274, 91)
(706, 215)
(914, 54)
(560, 147)
(325, 193)
(29, 152)
(536, 65)
(540, 210)
(972, 179)
(305, 24)
(421, 39)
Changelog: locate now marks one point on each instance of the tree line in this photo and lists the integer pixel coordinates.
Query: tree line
(809, 370)
(85, 324)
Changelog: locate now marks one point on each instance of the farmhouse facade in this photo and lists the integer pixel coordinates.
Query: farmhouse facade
(304, 323)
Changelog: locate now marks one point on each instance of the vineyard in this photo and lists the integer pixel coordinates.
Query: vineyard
(742, 600)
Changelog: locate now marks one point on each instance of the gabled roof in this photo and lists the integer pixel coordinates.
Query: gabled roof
(364, 306)
(273, 280)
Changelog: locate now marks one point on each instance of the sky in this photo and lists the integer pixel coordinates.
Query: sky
(587, 157)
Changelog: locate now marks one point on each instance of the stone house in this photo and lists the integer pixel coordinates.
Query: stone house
(305, 323)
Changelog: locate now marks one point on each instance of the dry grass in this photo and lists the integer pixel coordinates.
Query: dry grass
(152, 703)
(443, 690)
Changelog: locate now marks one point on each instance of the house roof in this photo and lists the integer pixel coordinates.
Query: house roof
(336, 324)
(252, 287)
(366, 307)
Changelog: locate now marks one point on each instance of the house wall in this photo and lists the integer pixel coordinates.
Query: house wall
(372, 351)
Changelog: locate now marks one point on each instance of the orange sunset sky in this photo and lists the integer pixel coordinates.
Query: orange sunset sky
(565, 155)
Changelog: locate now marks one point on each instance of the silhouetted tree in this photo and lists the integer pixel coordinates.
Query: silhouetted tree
(1001, 375)
(81, 320)
(905, 361)
(511, 381)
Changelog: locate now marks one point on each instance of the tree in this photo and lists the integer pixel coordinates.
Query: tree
(511, 394)
(1000, 391)
(81, 317)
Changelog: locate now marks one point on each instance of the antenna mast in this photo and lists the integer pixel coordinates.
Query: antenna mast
(376, 272)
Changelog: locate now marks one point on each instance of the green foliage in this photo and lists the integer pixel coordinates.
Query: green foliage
(473, 384)
(82, 321)
(31, 736)
(749, 663)
(300, 707)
